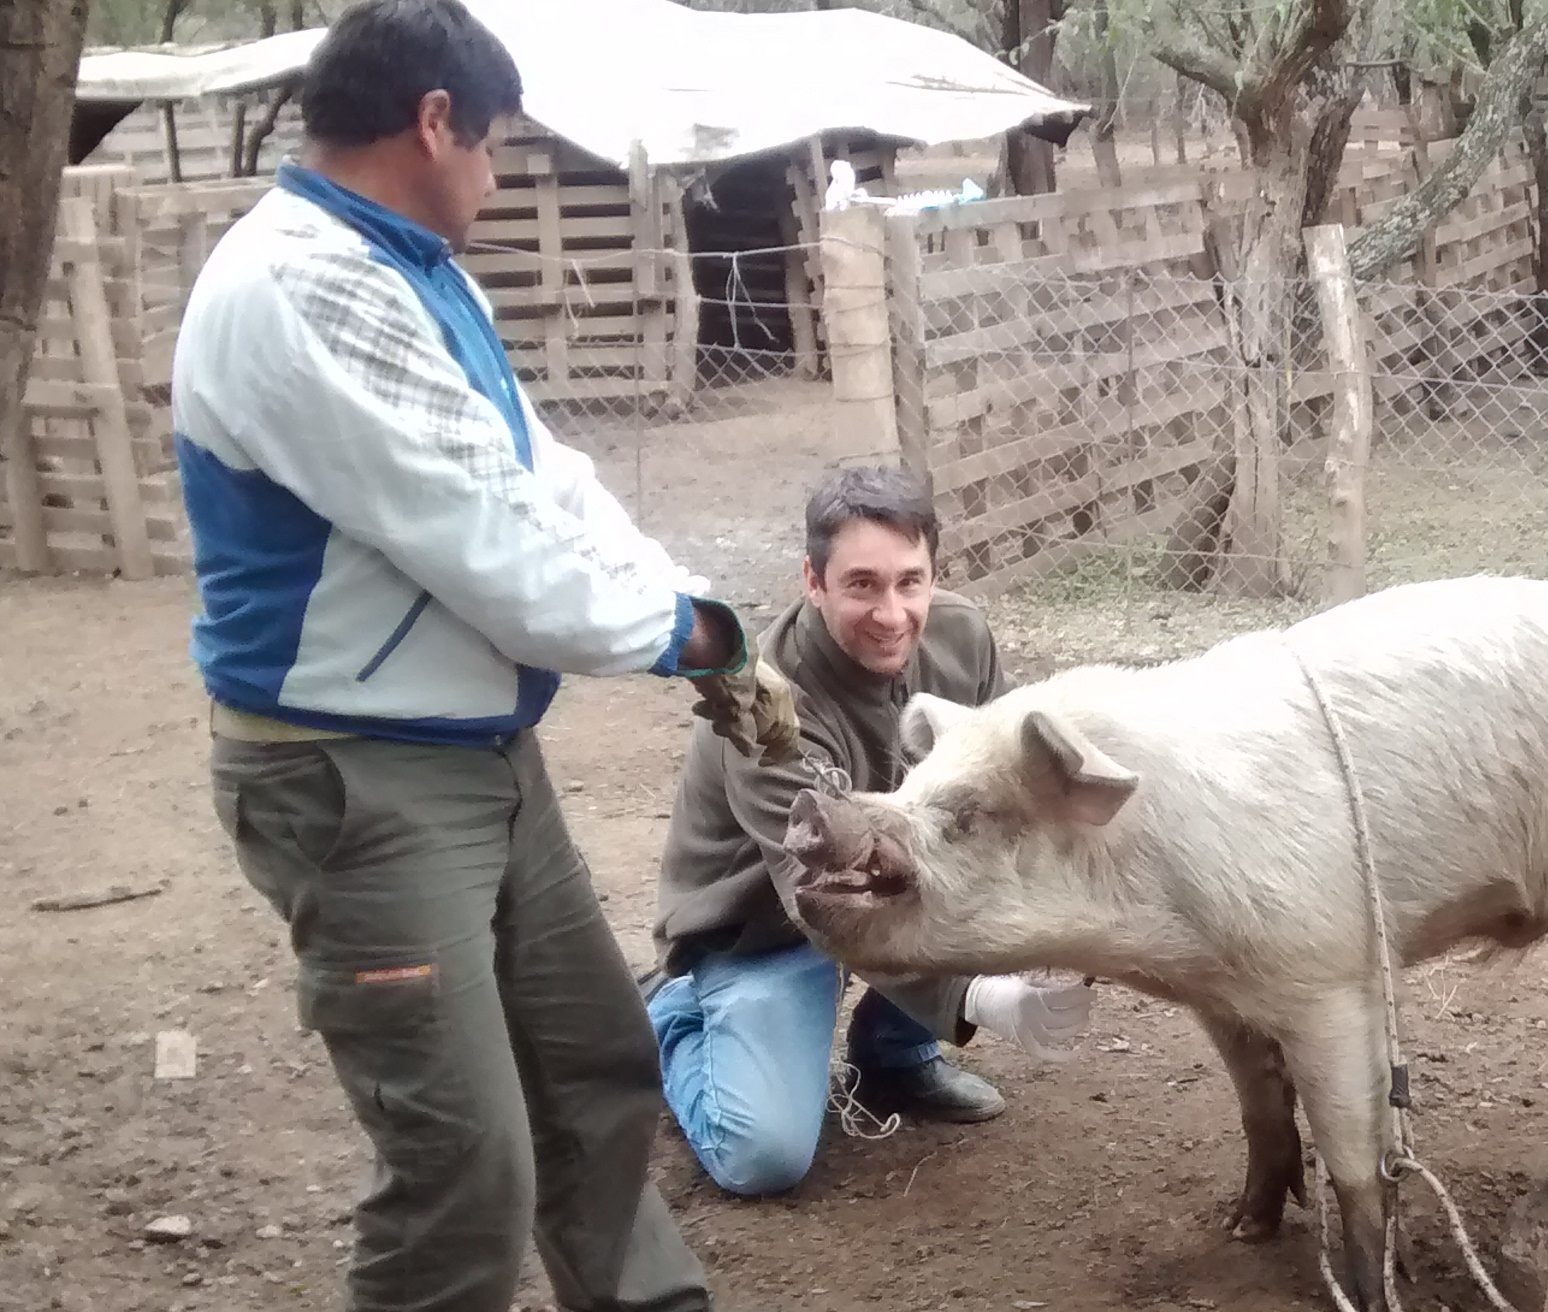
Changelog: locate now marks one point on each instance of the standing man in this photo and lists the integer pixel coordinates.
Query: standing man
(396, 561)
(745, 1008)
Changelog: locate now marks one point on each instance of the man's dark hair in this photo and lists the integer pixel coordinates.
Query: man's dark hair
(367, 77)
(883, 494)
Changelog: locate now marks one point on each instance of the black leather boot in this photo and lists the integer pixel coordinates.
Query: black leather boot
(933, 1090)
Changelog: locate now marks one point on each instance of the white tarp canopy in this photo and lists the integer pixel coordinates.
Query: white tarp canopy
(693, 87)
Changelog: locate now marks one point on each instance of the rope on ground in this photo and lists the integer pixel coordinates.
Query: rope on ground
(1401, 1160)
(852, 1113)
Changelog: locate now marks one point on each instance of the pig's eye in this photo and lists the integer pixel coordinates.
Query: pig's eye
(961, 817)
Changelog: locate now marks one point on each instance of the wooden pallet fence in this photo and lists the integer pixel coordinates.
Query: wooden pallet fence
(1058, 370)
(171, 230)
(92, 488)
(587, 270)
(875, 166)
(204, 134)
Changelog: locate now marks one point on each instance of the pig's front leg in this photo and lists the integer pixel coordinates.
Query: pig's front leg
(1334, 1052)
(1267, 1095)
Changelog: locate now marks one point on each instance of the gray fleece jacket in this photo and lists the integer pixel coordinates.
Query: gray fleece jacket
(724, 865)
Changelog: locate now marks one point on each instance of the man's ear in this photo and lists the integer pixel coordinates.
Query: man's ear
(434, 125)
(812, 580)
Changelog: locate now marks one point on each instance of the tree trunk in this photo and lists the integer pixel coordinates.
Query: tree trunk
(1497, 111)
(1336, 91)
(1180, 119)
(1030, 33)
(1256, 305)
(40, 49)
(297, 15)
(169, 17)
(264, 127)
(1103, 135)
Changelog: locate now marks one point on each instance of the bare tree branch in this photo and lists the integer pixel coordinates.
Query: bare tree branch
(1397, 233)
(1180, 49)
(1310, 35)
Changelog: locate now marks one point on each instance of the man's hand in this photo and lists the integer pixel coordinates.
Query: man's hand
(751, 708)
(1040, 1020)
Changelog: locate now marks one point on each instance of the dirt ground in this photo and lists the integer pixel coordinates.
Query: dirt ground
(1101, 1187)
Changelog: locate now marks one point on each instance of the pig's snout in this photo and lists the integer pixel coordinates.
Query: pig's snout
(822, 836)
(846, 849)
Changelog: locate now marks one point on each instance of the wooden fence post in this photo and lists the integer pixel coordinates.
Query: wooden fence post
(906, 322)
(99, 368)
(24, 494)
(854, 310)
(1349, 436)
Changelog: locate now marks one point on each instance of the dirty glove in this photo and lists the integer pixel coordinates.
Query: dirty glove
(751, 708)
(1040, 1019)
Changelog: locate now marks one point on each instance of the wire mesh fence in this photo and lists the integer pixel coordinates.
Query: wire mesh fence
(1153, 431)
(1135, 435)
(717, 460)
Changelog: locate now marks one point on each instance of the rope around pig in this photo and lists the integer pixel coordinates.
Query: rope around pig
(1400, 1161)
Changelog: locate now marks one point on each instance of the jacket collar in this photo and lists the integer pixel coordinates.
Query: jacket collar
(842, 671)
(399, 236)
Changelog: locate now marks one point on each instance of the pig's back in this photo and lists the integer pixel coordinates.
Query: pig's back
(1441, 689)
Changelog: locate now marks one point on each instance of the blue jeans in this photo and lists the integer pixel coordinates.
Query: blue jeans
(746, 1043)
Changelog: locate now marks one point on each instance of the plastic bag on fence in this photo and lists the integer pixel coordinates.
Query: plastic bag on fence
(843, 192)
(915, 201)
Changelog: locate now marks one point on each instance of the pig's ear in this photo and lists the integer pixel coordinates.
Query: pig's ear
(925, 719)
(1075, 779)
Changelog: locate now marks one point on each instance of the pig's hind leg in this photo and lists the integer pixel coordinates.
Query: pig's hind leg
(1267, 1094)
(1334, 1051)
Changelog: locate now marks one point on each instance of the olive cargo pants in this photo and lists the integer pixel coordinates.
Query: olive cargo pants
(479, 1016)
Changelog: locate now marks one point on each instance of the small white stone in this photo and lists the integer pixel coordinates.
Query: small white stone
(169, 1229)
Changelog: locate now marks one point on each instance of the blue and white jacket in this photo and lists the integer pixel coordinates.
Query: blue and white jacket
(387, 539)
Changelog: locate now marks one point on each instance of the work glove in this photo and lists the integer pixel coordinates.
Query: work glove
(1040, 1019)
(751, 708)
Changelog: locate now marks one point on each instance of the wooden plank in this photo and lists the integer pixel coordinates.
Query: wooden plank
(1109, 420)
(685, 302)
(516, 196)
(610, 228)
(99, 364)
(83, 487)
(1031, 209)
(513, 262)
(169, 559)
(1061, 555)
(71, 519)
(1117, 477)
(906, 324)
(1208, 334)
(149, 453)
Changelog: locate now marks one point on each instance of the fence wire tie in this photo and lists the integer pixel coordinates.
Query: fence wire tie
(735, 284)
(585, 286)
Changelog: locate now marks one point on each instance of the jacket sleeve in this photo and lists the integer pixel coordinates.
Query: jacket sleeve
(339, 389)
(760, 798)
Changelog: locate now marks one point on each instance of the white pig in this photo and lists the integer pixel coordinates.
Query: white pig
(1187, 830)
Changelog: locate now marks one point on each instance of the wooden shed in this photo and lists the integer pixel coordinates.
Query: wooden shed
(655, 226)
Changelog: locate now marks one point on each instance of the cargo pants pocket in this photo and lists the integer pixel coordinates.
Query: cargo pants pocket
(282, 805)
(394, 1050)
